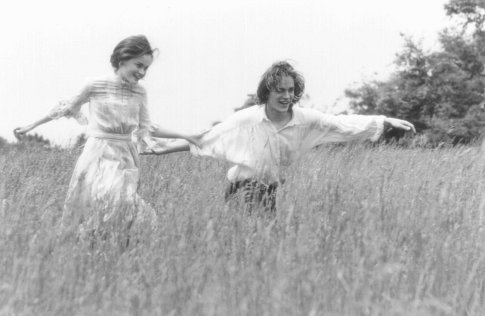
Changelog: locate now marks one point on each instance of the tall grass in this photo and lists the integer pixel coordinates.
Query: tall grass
(358, 231)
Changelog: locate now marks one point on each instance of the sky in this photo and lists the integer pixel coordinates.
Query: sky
(212, 53)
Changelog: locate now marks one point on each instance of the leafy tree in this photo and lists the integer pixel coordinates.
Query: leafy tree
(441, 92)
(471, 12)
(34, 140)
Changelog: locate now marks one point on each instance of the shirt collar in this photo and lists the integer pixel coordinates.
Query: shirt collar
(295, 117)
(122, 82)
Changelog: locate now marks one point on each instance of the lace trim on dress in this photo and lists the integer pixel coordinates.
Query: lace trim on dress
(144, 139)
(65, 109)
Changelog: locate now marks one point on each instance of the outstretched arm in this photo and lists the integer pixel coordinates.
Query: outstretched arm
(147, 131)
(159, 132)
(165, 133)
(19, 132)
(168, 148)
(63, 109)
(342, 128)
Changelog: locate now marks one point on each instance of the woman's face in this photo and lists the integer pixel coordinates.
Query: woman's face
(134, 69)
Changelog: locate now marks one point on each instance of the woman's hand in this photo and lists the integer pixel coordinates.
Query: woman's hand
(20, 132)
(167, 148)
(151, 152)
(399, 124)
(196, 139)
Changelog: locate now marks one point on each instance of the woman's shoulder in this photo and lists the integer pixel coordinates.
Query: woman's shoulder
(140, 88)
(112, 82)
(98, 81)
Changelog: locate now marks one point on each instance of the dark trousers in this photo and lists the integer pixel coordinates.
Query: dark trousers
(254, 194)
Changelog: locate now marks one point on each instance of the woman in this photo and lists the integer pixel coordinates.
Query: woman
(259, 140)
(105, 181)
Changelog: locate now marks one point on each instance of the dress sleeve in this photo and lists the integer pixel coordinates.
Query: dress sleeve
(143, 136)
(327, 128)
(72, 108)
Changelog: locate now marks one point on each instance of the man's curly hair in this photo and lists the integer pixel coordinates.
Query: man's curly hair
(272, 78)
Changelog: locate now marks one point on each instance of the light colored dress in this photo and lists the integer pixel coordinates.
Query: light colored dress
(104, 185)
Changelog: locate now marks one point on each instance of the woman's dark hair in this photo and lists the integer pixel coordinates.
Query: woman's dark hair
(130, 47)
(272, 78)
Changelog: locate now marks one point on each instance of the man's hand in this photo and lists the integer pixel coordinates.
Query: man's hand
(399, 124)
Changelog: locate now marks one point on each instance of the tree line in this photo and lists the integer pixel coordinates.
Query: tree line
(441, 92)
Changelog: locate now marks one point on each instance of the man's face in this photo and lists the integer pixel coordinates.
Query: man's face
(281, 97)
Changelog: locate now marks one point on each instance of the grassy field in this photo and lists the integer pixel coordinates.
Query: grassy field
(359, 231)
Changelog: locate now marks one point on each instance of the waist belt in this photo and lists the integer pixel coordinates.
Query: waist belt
(110, 136)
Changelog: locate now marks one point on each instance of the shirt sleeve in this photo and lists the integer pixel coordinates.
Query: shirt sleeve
(327, 128)
(72, 108)
(232, 140)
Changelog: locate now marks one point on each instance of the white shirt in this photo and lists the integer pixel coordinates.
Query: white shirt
(258, 149)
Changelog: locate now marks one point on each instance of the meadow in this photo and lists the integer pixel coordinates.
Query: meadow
(359, 230)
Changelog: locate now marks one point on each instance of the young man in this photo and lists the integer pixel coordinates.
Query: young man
(259, 140)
